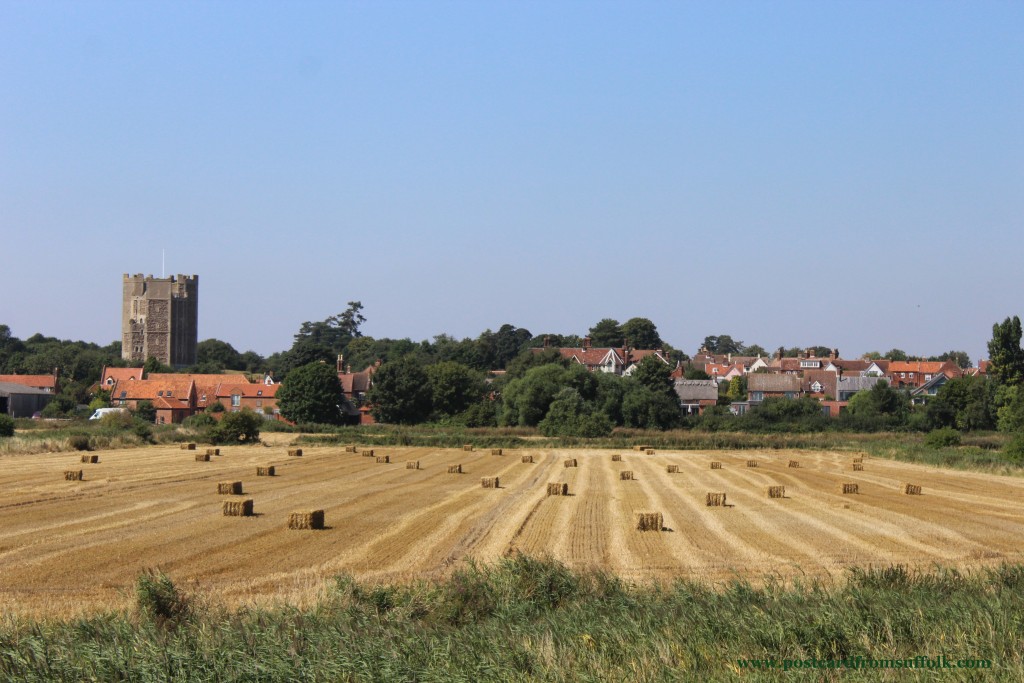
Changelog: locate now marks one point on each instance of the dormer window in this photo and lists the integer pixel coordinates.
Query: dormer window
(160, 393)
(124, 394)
(169, 393)
(259, 392)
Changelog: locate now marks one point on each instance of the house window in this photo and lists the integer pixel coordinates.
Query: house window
(170, 393)
(903, 375)
(236, 400)
(203, 399)
(928, 377)
(259, 392)
(259, 403)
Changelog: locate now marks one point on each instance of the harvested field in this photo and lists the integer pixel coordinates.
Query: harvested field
(72, 547)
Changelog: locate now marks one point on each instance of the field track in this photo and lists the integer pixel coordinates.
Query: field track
(72, 547)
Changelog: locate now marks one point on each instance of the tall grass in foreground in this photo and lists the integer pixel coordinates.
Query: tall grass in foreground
(524, 619)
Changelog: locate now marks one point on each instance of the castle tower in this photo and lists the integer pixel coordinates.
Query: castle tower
(159, 318)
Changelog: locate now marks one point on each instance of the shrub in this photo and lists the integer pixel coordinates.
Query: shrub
(200, 421)
(78, 442)
(241, 427)
(216, 407)
(6, 425)
(1014, 451)
(946, 437)
(158, 598)
(145, 410)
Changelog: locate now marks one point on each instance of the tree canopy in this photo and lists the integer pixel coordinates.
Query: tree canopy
(401, 392)
(311, 394)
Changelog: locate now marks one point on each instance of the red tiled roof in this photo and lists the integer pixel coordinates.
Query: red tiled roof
(921, 366)
(150, 389)
(352, 382)
(111, 376)
(247, 390)
(37, 381)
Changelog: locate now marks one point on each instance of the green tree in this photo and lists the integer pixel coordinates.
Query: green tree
(606, 333)
(214, 353)
(153, 365)
(1006, 354)
(881, 400)
(737, 389)
(454, 387)
(145, 411)
(497, 349)
(570, 415)
(896, 354)
(238, 427)
(526, 400)
(655, 375)
(645, 408)
(966, 403)
(6, 424)
(311, 394)
(722, 344)
(961, 358)
(400, 393)
(641, 333)
(753, 350)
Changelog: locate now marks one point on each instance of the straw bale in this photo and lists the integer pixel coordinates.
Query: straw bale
(776, 491)
(672, 469)
(265, 471)
(490, 482)
(496, 451)
(238, 508)
(384, 458)
(468, 447)
(716, 465)
(617, 457)
(794, 463)
(90, 459)
(649, 521)
(232, 488)
(454, 469)
(202, 457)
(309, 519)
(412, 465)
(558, 489)
(715, 499)
(912, 489)
(626, 475)
(295, 452)
(570, 462)
(850, 488)
(73, 475)
(751, 463)
(527, 458)
(213, 451)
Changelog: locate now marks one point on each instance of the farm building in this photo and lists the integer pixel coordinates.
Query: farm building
(18, 400)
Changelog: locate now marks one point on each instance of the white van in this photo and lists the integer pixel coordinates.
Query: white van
(100, 412)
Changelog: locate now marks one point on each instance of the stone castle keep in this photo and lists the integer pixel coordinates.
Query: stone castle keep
(159, 318)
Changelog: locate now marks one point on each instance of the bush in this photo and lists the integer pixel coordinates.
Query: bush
(158, 598)
(241, 427)
(1014, 451)
(145, 410)
(216, 407)
(199, 421)
(78, 442)
(946, 437)
(6, 425)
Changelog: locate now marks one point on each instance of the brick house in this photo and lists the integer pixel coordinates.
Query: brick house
(174, 397)
(260, 398)
(762, 385)
(917, 373)
(47, 383)
(696, 394)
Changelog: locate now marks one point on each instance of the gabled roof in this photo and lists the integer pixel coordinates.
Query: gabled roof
(826, 378)
(111, 376)
(181, 389)
(8, 388)
(856, 383)
(247, 390)
(924, 367)
(37, 381)
(211, 379)
(772, 383)
(696, 389)
(357, 382)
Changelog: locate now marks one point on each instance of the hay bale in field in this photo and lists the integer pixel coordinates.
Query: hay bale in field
(350, 449)
(412, 465)
(649, 521)
(626, 475)
(751, 463)
(454, 469)
(73, 475)
(213, 451)
(859, 458)
(496, 451)
(490, 483)
(716, 465)
(265, 471)
(202, 457)
(527, 458)
(776, 491)
(188, 446)
(570, 462)
(310, 519)
(911, 490)
(715, 499)
(468, 447)
(295, 452)
(232, 488)
(368, 453)
(384, 458)
(794, 463)
(649, 451)
(858, 467)
(850, 488)
(616, 457)
(90, 459)
(238, 508)
(558, 489)
(672, 469)
(641, 448)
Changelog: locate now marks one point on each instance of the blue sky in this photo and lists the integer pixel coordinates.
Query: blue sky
(846, 174)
